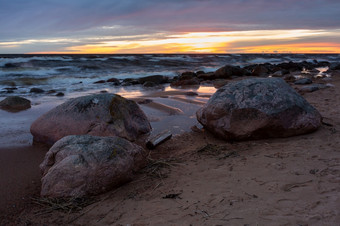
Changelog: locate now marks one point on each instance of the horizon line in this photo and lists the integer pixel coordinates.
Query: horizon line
(181, 53)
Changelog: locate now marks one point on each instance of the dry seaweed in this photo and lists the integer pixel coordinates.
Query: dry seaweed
(62, 204)
(159, 168)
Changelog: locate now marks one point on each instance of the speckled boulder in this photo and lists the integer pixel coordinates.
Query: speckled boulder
(258, 108)
(81, 165)
(98, 115)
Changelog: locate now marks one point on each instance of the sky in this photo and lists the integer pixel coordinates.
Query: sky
(169, 26)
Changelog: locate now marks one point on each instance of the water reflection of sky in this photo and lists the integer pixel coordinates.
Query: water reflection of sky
(15, 126)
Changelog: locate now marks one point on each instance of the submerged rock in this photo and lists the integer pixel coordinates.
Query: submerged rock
(258, 108)
(114, 81)
(36, 90)
(187, 75)
(186, 82)
(206, 76)
(228, 71)
(99, 115)
(260, 70)
(99, 82)
(15, 103)
(81, 165)
(156, 79)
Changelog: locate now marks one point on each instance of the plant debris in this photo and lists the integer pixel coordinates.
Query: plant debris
(172, 196)
(160, 167)
(215, 150)
(60, 204)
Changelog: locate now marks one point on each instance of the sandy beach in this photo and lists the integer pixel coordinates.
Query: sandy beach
(196, 179)
(152, 113)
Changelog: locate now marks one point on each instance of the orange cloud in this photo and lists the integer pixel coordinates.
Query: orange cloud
(216, 42)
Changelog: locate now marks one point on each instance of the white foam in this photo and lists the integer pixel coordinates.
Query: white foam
(5, 60)
(175, 57)
(94, 59)
(123, 57)
(34, 72)
(261, 60)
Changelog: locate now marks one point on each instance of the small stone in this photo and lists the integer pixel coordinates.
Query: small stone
(259, 70)
(51, 91)
(303, 81)
(312, 88)
(186, 82)
(114, 81)
(289, 78)
(99, 82)
(15, 103)
(156, 79)
(277, 74)
(36, 90)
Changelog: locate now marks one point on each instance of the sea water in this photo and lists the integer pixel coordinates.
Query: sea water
(75, 75)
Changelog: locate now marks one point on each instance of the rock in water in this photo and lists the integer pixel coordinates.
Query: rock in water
(258, 108)
(36, 90)
(80, 165)
(98, 115)
(303, 81)
(228, 71)
(15, 103)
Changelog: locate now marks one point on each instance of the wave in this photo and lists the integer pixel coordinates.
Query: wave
(20, 60)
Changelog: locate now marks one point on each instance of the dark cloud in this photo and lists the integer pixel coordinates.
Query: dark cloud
(53, 17)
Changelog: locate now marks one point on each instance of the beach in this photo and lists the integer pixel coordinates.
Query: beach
(194, 178)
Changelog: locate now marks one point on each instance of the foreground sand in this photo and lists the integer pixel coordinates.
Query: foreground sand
(195, 179)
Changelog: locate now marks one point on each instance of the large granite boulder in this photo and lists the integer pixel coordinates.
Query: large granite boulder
(80, 165)
(258, 108)
(15, 103)
(98, 115)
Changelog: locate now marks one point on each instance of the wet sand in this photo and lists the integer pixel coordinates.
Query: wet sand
(20, 178)
(197, 179)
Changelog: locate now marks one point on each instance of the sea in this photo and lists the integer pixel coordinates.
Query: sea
(75, 75)
(72, 73)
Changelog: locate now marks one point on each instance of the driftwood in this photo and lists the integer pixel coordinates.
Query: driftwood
(158, 139)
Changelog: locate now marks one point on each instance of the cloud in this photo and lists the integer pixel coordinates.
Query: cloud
(86, 20)
(53, 17)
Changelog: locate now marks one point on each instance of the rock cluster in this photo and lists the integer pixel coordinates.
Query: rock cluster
(92, 152)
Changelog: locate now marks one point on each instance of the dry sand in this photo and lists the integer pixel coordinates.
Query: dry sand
(196, 179)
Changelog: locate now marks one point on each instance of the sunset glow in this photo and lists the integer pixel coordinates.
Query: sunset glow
(211, 42)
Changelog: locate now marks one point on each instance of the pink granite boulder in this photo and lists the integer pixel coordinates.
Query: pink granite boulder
(258, 108)
(98, 115)
(80, 165)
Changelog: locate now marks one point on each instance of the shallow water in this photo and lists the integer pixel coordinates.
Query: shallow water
(15, 127)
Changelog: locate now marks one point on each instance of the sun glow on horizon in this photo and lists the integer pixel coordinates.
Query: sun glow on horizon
(257, 41)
